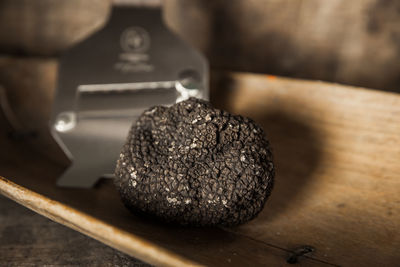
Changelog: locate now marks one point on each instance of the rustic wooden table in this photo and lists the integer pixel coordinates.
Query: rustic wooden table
(29, 239)
(337, 187)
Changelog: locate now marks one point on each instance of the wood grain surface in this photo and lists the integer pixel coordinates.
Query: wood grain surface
(337, 151)
(29, 239)
(90, 226)
(337, 187)
(100, 214)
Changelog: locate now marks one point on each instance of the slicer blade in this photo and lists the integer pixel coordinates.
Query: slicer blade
(105, 82)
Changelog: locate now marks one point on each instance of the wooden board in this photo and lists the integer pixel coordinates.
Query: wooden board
(29, 239)
(336, 150)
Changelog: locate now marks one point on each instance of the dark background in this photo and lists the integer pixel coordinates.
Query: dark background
(352, 42)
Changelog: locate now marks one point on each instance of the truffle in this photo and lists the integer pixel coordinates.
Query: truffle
(195, 165)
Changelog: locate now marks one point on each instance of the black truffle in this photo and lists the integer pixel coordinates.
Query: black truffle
(195, 165)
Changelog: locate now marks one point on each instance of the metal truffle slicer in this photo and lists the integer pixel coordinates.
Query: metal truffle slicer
(106, 81)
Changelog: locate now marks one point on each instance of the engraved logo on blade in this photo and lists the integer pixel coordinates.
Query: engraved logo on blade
(134, 57)
(135, 39)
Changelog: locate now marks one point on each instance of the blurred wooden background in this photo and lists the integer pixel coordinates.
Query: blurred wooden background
(350, 42)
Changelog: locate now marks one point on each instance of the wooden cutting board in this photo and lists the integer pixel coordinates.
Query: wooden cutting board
(337, 153)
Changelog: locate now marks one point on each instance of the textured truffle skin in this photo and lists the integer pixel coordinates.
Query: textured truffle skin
(195, 165)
